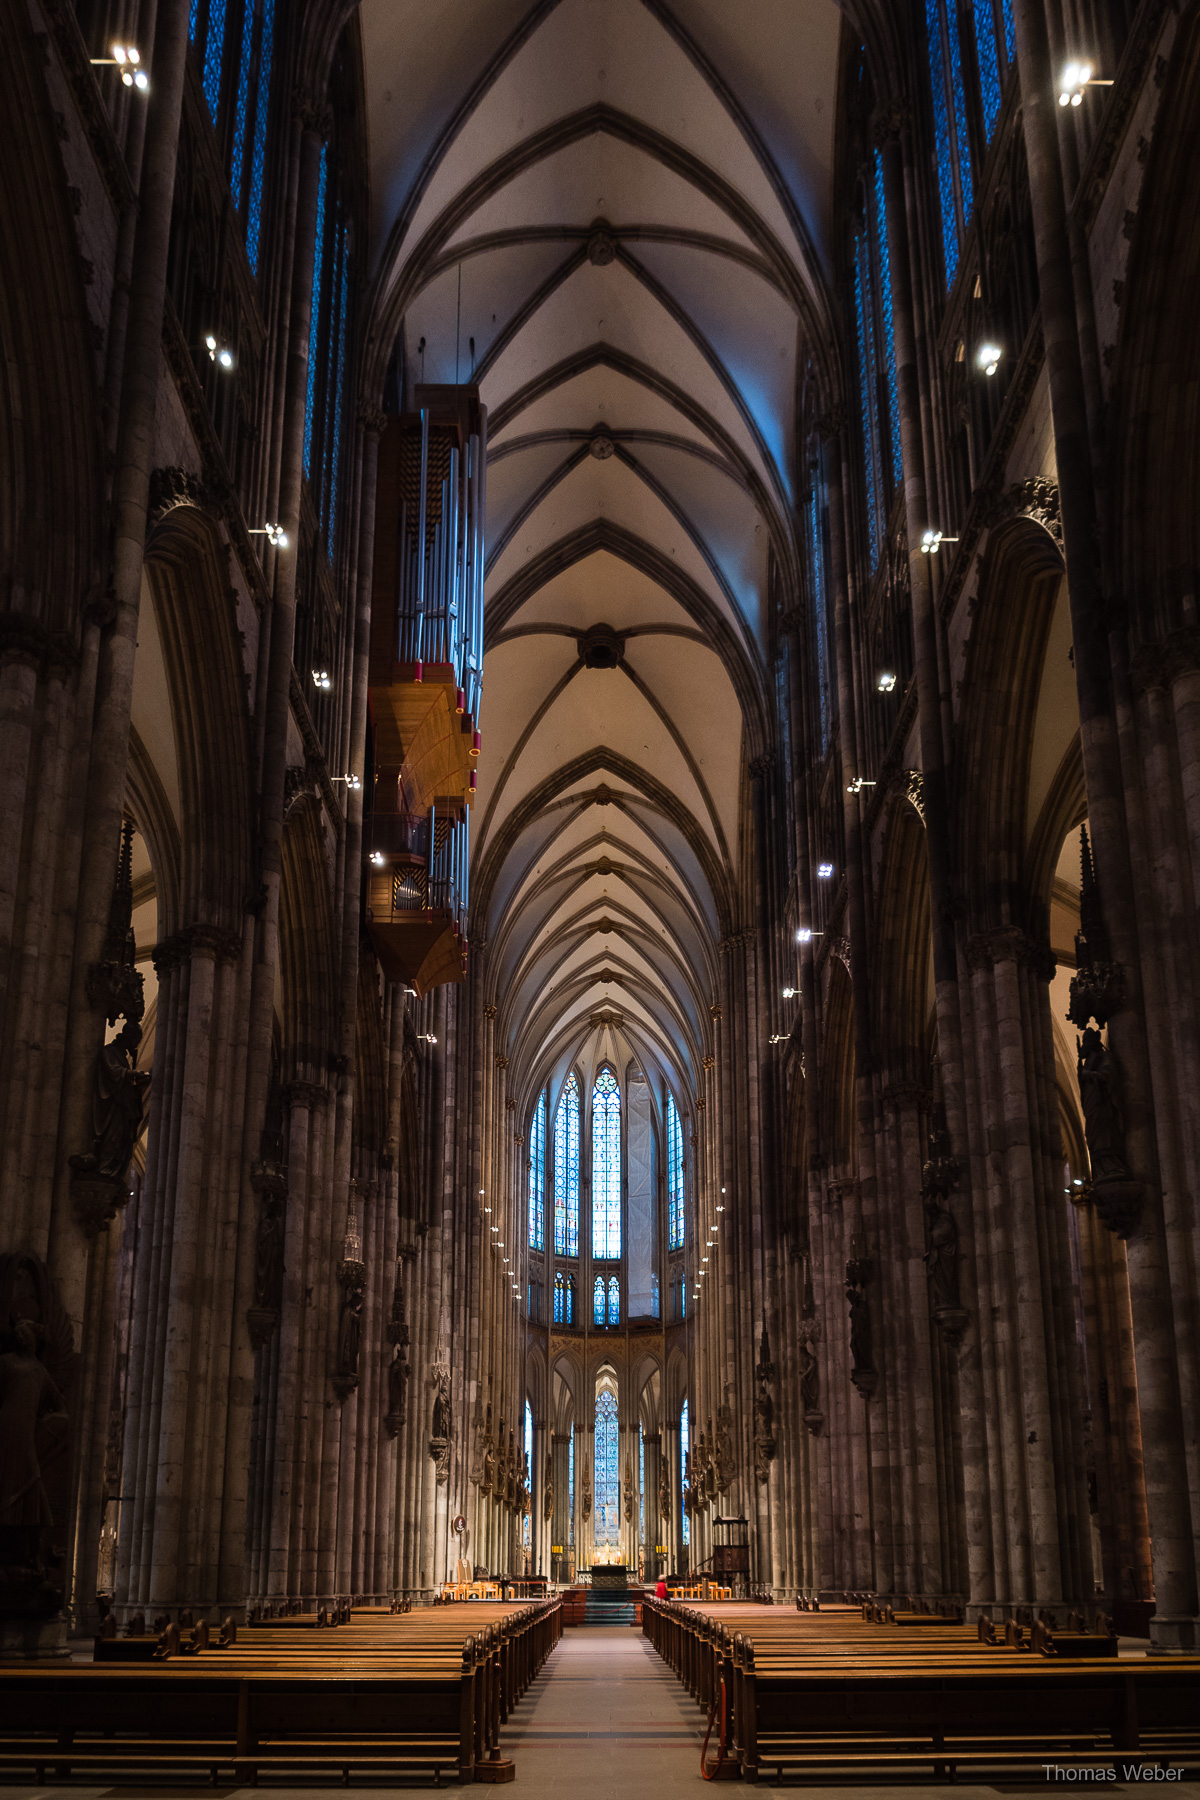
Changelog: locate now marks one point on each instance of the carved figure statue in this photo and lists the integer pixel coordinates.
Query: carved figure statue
(548, 1489)
(585, 1489)
(37, 1368)
(941, 1255)
(723, 1462)
(439, 1440)
(118, 1106)
(349, 1329)
(1103, 1118)
(664, 1492)
(397, 1376)
(764, 1434)
(809, 1375)
(268, 1255)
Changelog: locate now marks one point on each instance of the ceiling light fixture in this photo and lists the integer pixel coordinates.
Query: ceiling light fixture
(321, 679)
(987, 358)
(885, 681)
(218, 352)
(825, 871)
(1075, 77)
(125, 57)
(274, 534)
(378, 858)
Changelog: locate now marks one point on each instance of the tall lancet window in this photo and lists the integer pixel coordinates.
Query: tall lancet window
(566, 1170)
(537, 1176)
(606, 1166)
(608, 1474)
(683, 1456)
(879, 407)
(528, 1468)
(674, 1176)
(950, 138)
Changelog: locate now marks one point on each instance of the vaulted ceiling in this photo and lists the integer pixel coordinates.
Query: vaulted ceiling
(614, 215)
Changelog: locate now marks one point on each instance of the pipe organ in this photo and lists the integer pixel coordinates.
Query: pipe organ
(426, 676)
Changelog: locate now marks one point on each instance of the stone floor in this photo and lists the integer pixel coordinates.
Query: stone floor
(605, 1713)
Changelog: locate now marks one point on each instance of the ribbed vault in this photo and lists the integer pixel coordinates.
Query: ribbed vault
(614, 215)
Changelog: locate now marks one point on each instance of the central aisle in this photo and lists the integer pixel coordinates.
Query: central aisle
(606, 1710)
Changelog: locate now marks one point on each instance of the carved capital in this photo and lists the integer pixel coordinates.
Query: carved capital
(888, 120)
(312, 114)
(373, 420)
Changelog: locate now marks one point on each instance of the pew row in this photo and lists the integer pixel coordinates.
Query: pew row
(392, 1695)
(810, 1695)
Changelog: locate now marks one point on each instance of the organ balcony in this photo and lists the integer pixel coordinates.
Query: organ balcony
(425, 677)
(416, 896)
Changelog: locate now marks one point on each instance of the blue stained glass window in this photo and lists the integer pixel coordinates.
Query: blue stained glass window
(214, 56)
(682, 1298)
(674, 1177)
(864, 339)
(988, 55)
(820, 613)
(608, 1474)
(528, 1466)
(654, 1302)
(193, 20)
(571, 1488)
(566, 1170)
(242, 107)
(559, 1297)
(614, 1300)
(537, 1185)
(258, 155)
(683, 1456)
(598, 1300)
(887, 329)
(942, 140)
(606, 1166)
(337, 385)
(1010, 31)
(314, 329)
(641, 1483)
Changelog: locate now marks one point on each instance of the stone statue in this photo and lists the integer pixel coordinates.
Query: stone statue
(664, 1492)
(548, 1489)
(585, 1488)
(724, 1466)
(439, 1440)
(941, 1255)
(37, 1371)
(397, 1378)
(764, 1434)
(1100, 1096)
(809, 1375)
(349, 1330)
(268, 1255)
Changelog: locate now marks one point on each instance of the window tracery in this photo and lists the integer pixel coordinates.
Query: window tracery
(608, 1482)
(674, 1182)
(566, 1170)
(606, 1166)
(537, 1181)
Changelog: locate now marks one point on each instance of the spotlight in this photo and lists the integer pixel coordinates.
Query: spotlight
(377, 857)
(353, 783)
(987, 357)
(825, 871)
(274, 534)
(780, 1037)
(219, 353)
(1075, 77)
(127, 58)
(789, 993)
(930, 541)
(426, 1037)
(885, 681)
(321, 679)
(858, 784)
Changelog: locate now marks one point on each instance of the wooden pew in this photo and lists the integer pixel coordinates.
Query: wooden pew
(387, 1693)
(840, 1691)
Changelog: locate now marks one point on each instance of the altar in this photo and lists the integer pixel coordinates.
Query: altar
(610, 1578)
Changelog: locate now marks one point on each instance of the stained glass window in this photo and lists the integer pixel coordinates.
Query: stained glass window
(335, 383)
(570, 1307)
(559, 1296)
(879, 406)
(614, 1300)
(641, 1483)
(951, 142)
(674, 1177)
(598, 1307)
(566, 1170)
(314, 329)
(683, 1456)
(886, 324)
(258, 152)
(654, 1302)
(571, 1487)
(214, 56)
(606, 1166)
(537, 1184)
(816, 536)
(608, 1475)
(528, 1466)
